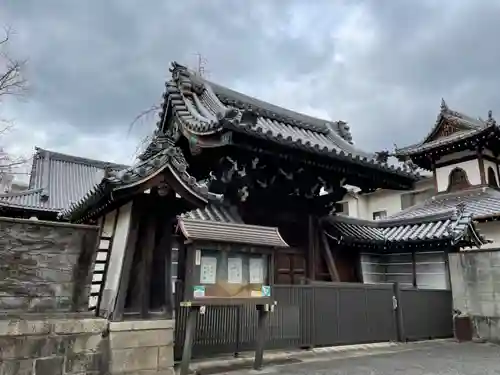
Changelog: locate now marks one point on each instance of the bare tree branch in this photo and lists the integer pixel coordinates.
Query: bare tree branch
(151, 110)
(12, 81)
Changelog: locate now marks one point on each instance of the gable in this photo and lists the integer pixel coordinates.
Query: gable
(444, 129)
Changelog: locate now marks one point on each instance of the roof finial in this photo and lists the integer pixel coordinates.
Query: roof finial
(491, 120)
(444, 106)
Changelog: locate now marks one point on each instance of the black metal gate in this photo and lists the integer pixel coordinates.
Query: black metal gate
(321, 315)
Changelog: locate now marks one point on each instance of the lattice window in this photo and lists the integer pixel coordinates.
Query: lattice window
(458, 180)
(445, 131)
(492, 178)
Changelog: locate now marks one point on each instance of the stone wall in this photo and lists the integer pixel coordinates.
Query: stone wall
(45, 325)
(475, 281)
(141, 347)
(91, 346)
(53, 346)
(45, 266)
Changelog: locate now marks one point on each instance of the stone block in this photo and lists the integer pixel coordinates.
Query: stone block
(17, 367)
(52, 366)
(23, 327)
(87, 343)
(26, 347)
(83, 363)
(73, 326)
(139, 325)
(134, 359)
(166, 357)
(135, 339)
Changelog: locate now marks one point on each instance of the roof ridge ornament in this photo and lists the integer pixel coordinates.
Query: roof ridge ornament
(444, 106)
(491, 120)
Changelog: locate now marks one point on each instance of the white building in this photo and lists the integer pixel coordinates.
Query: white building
(460, 160)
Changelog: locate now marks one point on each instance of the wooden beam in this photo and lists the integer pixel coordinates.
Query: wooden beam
(330, 261)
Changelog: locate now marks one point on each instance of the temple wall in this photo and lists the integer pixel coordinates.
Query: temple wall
(475, 279)
(44, 266)
(45, 325)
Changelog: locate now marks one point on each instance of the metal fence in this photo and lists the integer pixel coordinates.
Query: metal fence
(324, 314)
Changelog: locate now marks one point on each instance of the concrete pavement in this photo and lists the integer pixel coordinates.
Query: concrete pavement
(429, 358)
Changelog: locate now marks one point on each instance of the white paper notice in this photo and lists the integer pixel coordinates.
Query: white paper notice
(234, 271)
(256, 271)
(208, 270)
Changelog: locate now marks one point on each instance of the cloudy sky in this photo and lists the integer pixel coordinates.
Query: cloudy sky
(380, 65)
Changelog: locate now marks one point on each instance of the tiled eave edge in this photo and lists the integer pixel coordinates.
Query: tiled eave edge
(332, 154)
(35, 193)
(170, 160)
(419, 149)
(461, 225)
(237, 120)
(208, 230)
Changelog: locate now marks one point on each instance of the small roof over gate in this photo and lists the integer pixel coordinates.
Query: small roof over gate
(450, 227)
(207, 230)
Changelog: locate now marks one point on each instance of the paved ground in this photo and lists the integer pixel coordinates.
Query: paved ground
(443, 358)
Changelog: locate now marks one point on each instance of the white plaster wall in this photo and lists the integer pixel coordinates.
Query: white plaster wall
(488, 164)
(471, 167)
(363, 206)
(116, 258)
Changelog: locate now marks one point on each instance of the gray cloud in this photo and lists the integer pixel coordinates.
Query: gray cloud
(382, 66)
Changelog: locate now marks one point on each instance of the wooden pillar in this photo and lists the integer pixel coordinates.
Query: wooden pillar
(140, 293)
(311, 250)
(164, 251)
(481, 166)
(329, 259)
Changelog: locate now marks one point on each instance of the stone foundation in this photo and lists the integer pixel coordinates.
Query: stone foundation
(52, 346)
(91, 346)
(141, 347)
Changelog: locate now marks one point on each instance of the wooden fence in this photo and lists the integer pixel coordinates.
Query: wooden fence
(323, 315)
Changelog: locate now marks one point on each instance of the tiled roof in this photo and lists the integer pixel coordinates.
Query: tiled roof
(221, 223)
(56, 181)
(216, 213)
(469, 127)
(208, 230)
(480, 202)
(455, 226)
(203, 108)
(170, 160)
